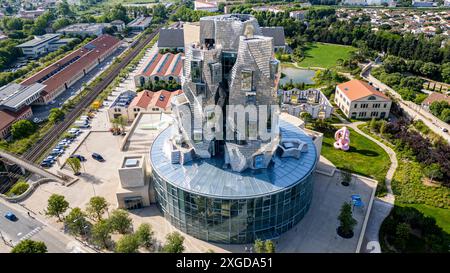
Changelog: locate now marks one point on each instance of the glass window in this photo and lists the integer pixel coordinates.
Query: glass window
(196, 71)
(246, 82)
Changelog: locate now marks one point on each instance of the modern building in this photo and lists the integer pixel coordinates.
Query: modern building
(277, 33)
(152, 102)
(171, 38)
(160, 67)
(242, 185)
(133, 190)
(63, 73)
(118, 24)
(15, 101)
(119, 107)
(311, 101)
(206, 5)
(360, 100)
(140, 23)
(41, 45)
(84, 29)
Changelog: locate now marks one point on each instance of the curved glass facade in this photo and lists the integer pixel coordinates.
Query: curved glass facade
(235, 221)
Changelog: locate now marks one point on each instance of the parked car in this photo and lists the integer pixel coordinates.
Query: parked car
(98, 157)
(85, 126)
(444, 130)
(45, 164)
(11, 216)
(80, 157)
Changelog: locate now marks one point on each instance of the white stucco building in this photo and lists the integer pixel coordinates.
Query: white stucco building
(360, 100)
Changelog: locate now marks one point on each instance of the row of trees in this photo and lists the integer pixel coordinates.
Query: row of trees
(323, 26)
(187, 14)
(409, 87)
(406, 226)
(441, 109)
(393, 64)
(79, 223)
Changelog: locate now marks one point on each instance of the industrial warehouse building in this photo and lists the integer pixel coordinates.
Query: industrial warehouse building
(60, 75)
(161, 67)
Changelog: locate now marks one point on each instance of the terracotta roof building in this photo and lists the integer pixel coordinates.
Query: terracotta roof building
(7, 118)
(149, 101)
(161, 67)
(60, 75)
(359, 99)
(434, 97)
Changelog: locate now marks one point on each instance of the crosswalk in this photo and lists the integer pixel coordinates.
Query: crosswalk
(28, 235)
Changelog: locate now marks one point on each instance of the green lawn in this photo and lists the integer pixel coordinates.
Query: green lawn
(364, 156)
(325, 55)
(442, 216)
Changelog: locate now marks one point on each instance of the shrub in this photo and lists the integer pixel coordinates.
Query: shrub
(18, 188)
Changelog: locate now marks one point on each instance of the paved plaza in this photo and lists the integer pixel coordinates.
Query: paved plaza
(315, 233)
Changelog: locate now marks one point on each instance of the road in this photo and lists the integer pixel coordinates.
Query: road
(412, 109)
(30, 227)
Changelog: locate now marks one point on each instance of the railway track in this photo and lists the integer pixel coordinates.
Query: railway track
(33, 154)
(44, 143)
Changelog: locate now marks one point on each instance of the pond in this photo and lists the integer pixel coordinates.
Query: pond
(297, 75)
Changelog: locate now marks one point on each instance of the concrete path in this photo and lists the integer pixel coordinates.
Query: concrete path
(382, 206)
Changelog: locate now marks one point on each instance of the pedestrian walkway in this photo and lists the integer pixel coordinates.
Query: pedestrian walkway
(382, 206)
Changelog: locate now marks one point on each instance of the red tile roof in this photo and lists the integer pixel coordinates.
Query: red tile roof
(81, 58)
(357, 89)
(9, 117)
(436, 97)
(163, 65)
(147, 99)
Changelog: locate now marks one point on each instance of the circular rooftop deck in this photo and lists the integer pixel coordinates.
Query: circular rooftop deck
(207, 177)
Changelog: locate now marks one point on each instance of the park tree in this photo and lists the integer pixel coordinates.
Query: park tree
(445, 115)
(259, 246)
(129, 243)
(374, 126)
(22, 128)
(433, 171)
(306, 117)
(101, 233)
(120, 221)
(29, 246)
(55, 115)
(346, 178)
(401, 236)
(60, 23)
(56, 206)
(174, 243)
(383, 126)
(63, 9)
(75, 164)
(346, 220)
(269, 246)
(119, 122)
(97, 207)
(76, 222)
(145, 235)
